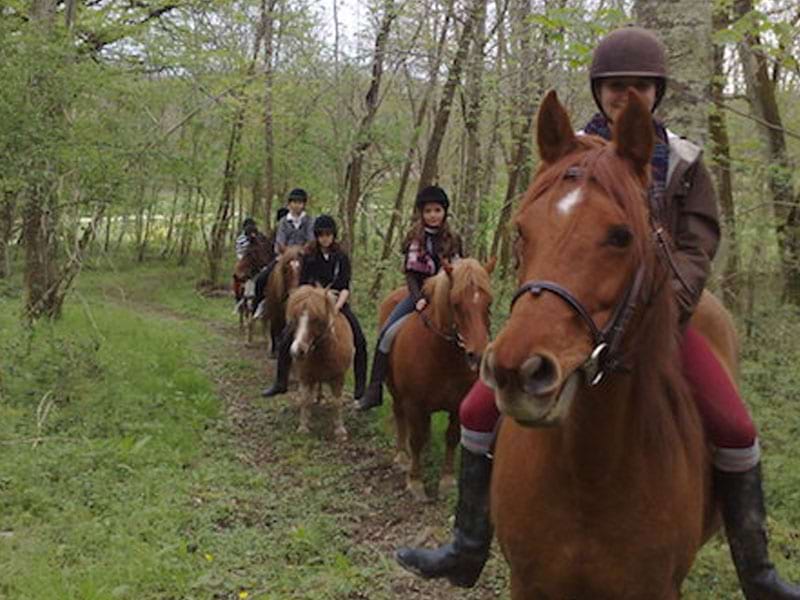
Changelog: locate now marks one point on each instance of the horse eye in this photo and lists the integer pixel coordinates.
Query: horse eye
(619, 236)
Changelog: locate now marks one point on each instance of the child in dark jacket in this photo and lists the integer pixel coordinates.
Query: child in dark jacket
(325, 263)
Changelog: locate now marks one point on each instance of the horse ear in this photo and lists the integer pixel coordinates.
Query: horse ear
(554, 133)
(634, 138)
(490, 264)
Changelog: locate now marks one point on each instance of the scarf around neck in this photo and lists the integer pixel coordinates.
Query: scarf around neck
(659, 163)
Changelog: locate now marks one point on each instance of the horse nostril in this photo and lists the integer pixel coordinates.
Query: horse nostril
(539, 375)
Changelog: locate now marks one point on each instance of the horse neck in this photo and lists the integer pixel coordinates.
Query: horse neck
(596, 437)
(441, 313)
(639, 421)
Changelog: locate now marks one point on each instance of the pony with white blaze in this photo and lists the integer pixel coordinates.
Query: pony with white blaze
(322, 350)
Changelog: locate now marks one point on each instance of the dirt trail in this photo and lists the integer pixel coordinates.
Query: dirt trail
(386, 517)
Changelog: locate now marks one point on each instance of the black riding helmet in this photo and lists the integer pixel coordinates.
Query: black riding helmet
(298, 194)
(629, 52)
(432, 194)
(325, 224)
(282, 212)
(248, 222)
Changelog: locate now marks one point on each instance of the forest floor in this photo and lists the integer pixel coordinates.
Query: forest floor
(139, 460)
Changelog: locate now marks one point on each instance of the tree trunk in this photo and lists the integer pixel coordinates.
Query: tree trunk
(685, 28)
(430, 166)
(761, 93)
(40, 210)
(473, 172)
(525, 92)
(8, 211)
(268, 19)
(363, 136)
(721, 159)
(216, 245)
(422, 109)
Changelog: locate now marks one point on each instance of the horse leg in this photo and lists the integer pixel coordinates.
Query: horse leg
(401, 458)
(451, 438)
(419, 425)
(338, 406)
(306, 400)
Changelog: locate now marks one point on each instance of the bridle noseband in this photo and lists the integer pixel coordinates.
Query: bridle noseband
(606, 356)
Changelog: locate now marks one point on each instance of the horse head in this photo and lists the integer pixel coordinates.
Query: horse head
(461, 298)
(311, 312)
(289, 268)
(585, 261)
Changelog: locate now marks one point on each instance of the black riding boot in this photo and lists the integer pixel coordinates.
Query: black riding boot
(282, 368)
(461, 561)
(744, 515)
(374, 395)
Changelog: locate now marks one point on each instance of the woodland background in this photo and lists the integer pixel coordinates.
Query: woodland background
(135, 135)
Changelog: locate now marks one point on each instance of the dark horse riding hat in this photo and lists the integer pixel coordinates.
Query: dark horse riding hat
(629, 52)
(323, 224)
(432, 194)
(298, 194)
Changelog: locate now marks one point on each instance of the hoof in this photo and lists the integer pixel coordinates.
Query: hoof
(402, 461)
(303, 429)
(417, 490)
(447, 482)
(341, 434)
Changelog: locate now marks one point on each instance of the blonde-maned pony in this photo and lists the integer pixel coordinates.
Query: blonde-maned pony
(322, 350)
(434, 361)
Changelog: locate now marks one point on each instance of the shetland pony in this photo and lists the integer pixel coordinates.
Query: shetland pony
(284, 278)
(256, 257)
(322, 350)
(433, 362)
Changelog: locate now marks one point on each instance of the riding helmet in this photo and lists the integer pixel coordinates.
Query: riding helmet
(282, 212)
(298, 194)
(325, 223)
(432, 194)
(629, 52)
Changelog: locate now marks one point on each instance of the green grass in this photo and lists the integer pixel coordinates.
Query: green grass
(135, 489)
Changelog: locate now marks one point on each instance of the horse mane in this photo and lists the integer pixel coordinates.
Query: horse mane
(653, 337)
(314, 299)
(278, 278)
(467, 273)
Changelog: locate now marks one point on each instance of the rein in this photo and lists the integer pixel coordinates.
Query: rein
(453, 338)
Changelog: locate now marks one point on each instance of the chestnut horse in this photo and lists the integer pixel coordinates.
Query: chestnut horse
(284, 278)
(322, 350)
(434, 362)
(601, 486)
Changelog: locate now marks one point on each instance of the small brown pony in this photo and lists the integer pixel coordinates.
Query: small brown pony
(256, 257)
(284, 278)
(601, 485)
(322, 350)
(434, 361)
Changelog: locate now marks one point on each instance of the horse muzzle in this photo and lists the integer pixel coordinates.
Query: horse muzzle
(535, 394)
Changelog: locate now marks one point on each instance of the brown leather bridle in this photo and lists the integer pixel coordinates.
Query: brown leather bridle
(606, 355)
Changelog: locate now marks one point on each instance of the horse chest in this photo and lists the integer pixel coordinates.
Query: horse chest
(566, 538)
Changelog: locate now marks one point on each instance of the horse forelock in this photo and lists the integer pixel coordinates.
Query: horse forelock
(469, 276)
(308, 298)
